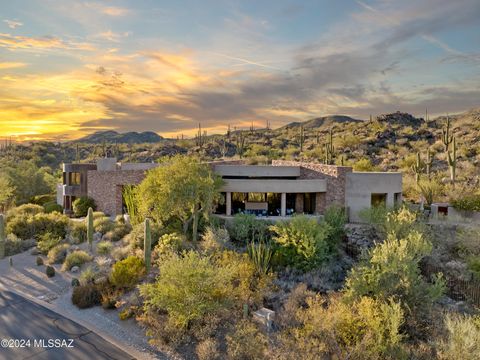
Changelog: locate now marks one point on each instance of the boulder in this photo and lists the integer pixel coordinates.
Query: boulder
(75, 269)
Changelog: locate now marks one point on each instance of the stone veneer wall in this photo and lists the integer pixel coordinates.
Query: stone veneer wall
(334, 175)
(105, 187)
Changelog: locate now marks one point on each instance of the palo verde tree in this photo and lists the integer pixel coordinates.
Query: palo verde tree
(183, 189)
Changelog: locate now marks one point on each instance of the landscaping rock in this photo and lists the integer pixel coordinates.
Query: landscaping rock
(97, 236)
(75, 269)
(265, 317)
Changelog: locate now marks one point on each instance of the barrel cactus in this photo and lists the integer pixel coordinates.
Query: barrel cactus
(147, 245)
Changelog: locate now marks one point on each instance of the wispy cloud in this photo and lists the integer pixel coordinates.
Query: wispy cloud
(11, 65)
(107, 10)
(13, 24)
(113, 36)
(45, 42)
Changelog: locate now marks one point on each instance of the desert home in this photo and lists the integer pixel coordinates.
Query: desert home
(278, 190)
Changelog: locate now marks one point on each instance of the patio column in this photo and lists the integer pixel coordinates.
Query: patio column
(229, 203)
(283, 205)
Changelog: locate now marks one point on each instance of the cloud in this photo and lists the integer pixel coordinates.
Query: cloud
(13, 24)
(114, 11)
(11, 65)
(113, 36)
(45, 42)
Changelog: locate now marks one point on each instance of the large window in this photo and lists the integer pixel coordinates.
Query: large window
(75, 178)
(309, 203)
(379, 200)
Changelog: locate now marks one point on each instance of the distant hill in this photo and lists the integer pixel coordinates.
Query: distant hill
(321, 122)
(111, 136)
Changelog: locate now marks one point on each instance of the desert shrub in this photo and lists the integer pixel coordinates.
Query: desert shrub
(462, 340)
(336, 218)
(207, 350)
(118, 232)
(25, 210)
(119, 219)
(51, 207)
(246, 342)
(85, 296)
(76, 258)
(77, 231)
(104, 247)
(261, 254)
(168, 243)
(329, 328)
(430, 190)
(13, 245)
(374, 215)
(187, 288)
(392, 271)
(81, 205)
(126, 273)
(103, 224)
(50, 271)
(88, 275)
(98, 215)
(469, 202)
(136, 236)
(364, 164)
(75, 282)
(245, 228)
(121, 252)
(42, 199)
(29, 226)
(302, 242)
(48, 241)
(57, 254)
(39, 261)
(215, 238)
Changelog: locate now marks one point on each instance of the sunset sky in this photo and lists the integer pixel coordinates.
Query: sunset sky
(69, 67)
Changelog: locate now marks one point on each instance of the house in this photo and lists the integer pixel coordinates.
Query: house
(275, 191)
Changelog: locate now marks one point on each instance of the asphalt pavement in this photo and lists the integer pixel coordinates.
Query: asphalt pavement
(31, 331)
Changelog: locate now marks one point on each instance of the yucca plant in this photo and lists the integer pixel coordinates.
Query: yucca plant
(261, 254)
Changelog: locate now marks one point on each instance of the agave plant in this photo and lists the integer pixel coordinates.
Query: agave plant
(261, 254)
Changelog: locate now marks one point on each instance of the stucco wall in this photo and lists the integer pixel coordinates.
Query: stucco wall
(335, 177)
(105, 187)
(361, 185)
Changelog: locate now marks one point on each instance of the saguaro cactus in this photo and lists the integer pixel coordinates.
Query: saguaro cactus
(147, 245)
(2, 236)
(301, 137)
(417, 168)
(90, 228)
(240, 144)
(447, 138)
(429, 163)
(452, 162)
(329, 149)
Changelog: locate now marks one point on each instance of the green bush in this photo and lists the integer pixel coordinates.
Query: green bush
(136, 236)
(336, 218)
(81, 205)
(127, 273)
(76, 258)
(246, 342)
(467, 203)
(77, 231)
(168, 243)
(245, 228)
(51, 207)
(462, 340)
(215, 238)
(88, 275)
(50, 271)
(302, 242)
(57, 254)
(43, 199)
(86, 296)
(47, 241)
(118, 232)
(25, 210)
(392, 271)
(34, 226)
(188, 288)
(13, 245)
(104, 247)
(103, 224)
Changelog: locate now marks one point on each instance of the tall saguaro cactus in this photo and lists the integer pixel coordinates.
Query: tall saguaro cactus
(329, 149)
(429, 163)
(452, 161)
(3, 237)
(90, 228)
(417, 168)
(240, 144)
(447, 138)
(147, 245)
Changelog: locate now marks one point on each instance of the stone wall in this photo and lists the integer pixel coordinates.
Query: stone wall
(105, 187)
(334, 175)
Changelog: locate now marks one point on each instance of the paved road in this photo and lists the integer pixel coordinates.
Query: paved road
(33, 326)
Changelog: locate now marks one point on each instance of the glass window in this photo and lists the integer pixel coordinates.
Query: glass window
(379, 200)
